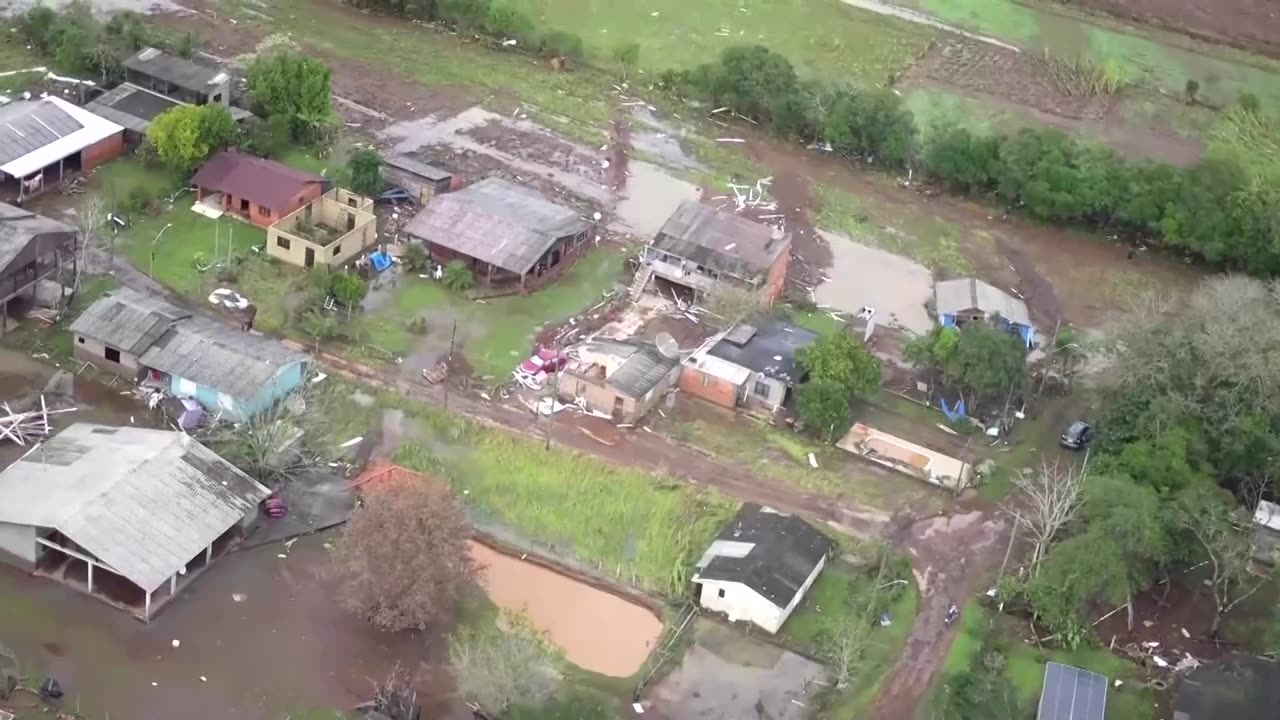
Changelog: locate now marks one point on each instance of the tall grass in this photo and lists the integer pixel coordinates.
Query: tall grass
(644, 530)
(1250, 135)
(1083, 77)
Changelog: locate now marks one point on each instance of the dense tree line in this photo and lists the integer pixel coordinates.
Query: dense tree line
(1218, 210)
(77, 41)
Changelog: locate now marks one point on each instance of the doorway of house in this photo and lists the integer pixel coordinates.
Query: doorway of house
(244, 207)
(309, 257)
(617, 409)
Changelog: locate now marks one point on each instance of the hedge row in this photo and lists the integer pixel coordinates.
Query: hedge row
(1217, 210)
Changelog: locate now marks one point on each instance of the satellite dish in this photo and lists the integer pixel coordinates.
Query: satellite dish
(667, 345)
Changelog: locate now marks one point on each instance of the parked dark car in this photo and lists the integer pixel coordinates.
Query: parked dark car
(1077, 435)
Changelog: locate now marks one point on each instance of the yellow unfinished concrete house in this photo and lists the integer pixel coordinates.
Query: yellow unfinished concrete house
(329, 230)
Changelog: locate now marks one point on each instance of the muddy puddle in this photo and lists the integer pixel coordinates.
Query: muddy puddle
(897, 287)
(598, 631)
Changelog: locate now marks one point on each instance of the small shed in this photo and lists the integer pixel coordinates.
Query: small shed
(128, 515)
(760, 566)
(179, 78)
(119, 327)
(1070, 693)
(420, 180)
(502, 231)
(622, 379)
(959, 302)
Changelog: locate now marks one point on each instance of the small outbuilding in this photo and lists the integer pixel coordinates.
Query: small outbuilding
(178, 78)
(750, 366)
(1266, 537)
(45, 142)
(760, 566)
(701, 248)
(420, 180)
(328, 231)
(504, 232)
(959, 302)
(115, 331)
(32, 249)
(622, 379)
(1070, 693)
(254, 189)
(131, 107)
(126, 514)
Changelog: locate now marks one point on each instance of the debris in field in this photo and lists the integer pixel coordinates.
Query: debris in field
(288, 544)
(352, 441)
(884, 620)
(176, 643)
(638, 708)
(1186, 634)
(730, 140)
(1159, 661)
(282, 555)
(813, 461)
(238, 597)
(654, 14)
(319, 377)
(204, 679)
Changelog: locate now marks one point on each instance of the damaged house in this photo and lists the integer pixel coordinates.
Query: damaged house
(32, 251)
(754, 367)
(504, 233)
(178, 78)
(960, 302)
(125, 514)
(701, 249)
(760, 566)
(328, 231)
(622, 379)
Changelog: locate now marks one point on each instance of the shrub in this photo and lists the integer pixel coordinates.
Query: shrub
(347, 289)
(364, 169)
(962, 161)
(871, 124)
(824, 406)
(504, 22)
(415, 257)
(291, 85)
(457, 276)
(558, 43)
(465, 15)
(183, 136)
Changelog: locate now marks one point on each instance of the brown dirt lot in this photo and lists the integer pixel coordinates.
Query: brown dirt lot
(1248, 24)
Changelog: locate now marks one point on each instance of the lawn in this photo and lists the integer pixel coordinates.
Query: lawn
(929, 241)
(182, 241)
(646, 531)
(496, 333)
(839, 592)
(119, 179)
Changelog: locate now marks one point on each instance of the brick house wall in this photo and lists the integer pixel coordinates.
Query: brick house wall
(708, 387)
(101, 151)
(777, 277)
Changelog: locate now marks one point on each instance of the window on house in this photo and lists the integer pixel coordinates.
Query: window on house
(337, 249)
(282, 242)
(720, 592)
(762, 389)
(266, 211)
(217, 97)
(80, 340)
(112, 355)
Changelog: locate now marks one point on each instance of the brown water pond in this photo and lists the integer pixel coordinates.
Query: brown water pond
(598, 631)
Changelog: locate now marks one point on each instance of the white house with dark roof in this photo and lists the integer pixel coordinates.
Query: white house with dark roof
(760, 566)
(126, 514)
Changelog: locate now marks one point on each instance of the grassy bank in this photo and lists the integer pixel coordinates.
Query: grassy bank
(643, 530)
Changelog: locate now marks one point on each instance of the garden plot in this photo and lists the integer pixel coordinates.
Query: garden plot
(728, 674)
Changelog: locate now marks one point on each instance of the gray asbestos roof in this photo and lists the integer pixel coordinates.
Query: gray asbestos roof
(144, 502)
(721, 241)
(497, 222)
(220, 357)
(28, 126)
(957, 296)
(771, 349)
(781, 552)
(25, 235)
(1072, 694)
(173, 69)
(410, 164)
(127, 320)
(131, 107)
(642, 371)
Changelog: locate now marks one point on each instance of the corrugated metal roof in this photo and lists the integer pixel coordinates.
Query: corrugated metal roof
(1070, 693)
(410, 164)
(260, 181)
(173, 69)
(131, 106)
(783, 552)
(721, 241)
(955, 296)
(216, 356)
(641, 372)
(145, 502)
(20, 228)
(37, 133)
(127, 320)
(497, 222)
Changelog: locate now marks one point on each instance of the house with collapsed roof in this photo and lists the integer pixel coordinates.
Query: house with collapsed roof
(760, 566)
(623, 379)
(128, 515)
(254, 189)
(47, 141)
(228, 371)
(504, 233)
(700, 248)
(178, 78)
(750, 366)
(328, 231)
(960, 302)
(33, 249)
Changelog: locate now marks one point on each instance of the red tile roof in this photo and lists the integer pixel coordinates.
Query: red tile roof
(263, 182)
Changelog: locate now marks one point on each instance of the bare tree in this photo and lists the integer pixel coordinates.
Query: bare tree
(1045, 501)
(496, 668)
(90, 222)
(403, 559)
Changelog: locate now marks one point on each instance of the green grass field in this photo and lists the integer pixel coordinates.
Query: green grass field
(646, 531)
(498, 332)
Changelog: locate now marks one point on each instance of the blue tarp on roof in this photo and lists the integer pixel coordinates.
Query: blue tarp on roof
(380, 261)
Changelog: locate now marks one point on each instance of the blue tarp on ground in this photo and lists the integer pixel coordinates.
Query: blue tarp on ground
(952, 415)
(380, 261)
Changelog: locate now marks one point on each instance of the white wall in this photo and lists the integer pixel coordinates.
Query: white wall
(742, 603)
(19, 542)
(777, 390)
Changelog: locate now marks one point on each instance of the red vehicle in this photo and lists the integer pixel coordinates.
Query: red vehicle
(545, 360)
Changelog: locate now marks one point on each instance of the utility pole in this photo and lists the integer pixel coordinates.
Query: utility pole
(151, 267)
(448, 363)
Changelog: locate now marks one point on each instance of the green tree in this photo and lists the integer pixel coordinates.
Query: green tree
(457, 276)
(982, 361)
(961, 160)
(824, 406)
(365, 170)
(347, 289)
(1166, 463)
(840, 358)
(183, 136)
(753, 81)
(1130, 521)
(872, 124)
(934, 350)
(287, 83)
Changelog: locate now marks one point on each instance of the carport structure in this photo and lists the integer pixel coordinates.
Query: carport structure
(122, 512)
(1070, 693)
